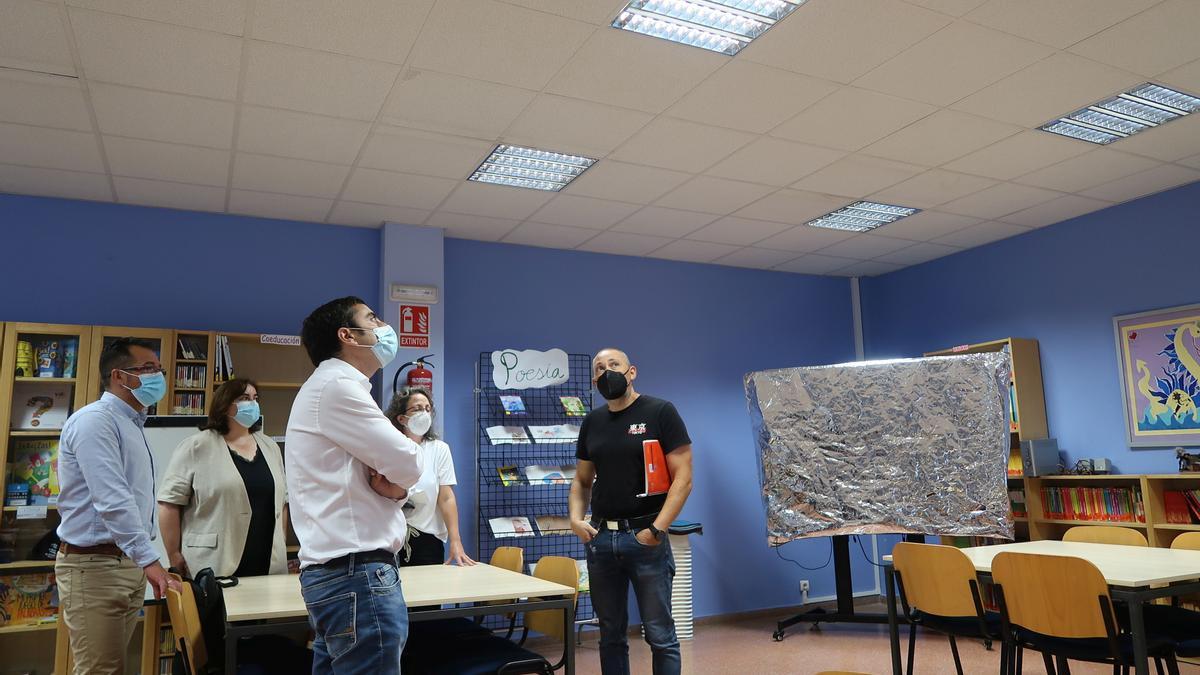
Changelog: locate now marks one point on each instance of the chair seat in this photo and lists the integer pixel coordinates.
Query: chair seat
(441, 630)
(477, 655)
(1092, 649)
(962, 626)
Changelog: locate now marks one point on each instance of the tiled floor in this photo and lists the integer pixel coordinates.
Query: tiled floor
(743, 646)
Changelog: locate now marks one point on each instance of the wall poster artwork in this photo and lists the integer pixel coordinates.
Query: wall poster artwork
(1159, 360)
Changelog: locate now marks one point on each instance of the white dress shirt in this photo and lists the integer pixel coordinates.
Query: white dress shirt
(335, 432)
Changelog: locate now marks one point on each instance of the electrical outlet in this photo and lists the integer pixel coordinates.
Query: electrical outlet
(804, 586)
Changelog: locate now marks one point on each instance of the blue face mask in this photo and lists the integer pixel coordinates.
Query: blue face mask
(152, 389)
(386, 344)
(248, 413)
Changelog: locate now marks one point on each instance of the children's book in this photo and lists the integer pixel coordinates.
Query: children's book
(513, 405)
(35, 463)
(509, 475)
(511, 526)
(573, 406)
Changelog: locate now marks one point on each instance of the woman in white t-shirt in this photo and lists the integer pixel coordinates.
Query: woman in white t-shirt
(430, 509)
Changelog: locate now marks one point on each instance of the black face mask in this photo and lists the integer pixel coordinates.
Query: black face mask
(611, 384)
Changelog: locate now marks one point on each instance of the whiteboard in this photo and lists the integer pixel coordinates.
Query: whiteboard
(164, 433)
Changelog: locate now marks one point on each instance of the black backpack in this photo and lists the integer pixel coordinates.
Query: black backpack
(210, 606)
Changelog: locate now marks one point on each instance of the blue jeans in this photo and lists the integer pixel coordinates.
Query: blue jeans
(358, 613)
(615, 560)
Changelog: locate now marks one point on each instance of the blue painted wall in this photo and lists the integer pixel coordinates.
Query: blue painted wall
(1061, 285)
(694, 331)
(113, 265)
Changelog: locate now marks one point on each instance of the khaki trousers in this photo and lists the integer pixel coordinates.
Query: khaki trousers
(99, 597)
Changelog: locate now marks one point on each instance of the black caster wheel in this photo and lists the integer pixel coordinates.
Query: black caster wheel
(777, 635)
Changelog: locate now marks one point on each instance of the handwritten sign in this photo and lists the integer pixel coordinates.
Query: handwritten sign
(286, 340)
(529, 368)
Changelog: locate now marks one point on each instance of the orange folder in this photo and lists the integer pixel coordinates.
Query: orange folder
(658, 477)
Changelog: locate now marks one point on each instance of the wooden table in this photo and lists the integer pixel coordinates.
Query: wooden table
(1134, 574)
(278, 597)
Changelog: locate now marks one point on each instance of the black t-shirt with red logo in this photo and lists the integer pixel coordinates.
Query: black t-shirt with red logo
(613, 441)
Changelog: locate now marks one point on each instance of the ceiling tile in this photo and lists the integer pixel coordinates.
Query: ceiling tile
(157, 55)
(397, 189)
(1059, 24)
(918, 253)
(1170, 142)
(932, 188)
(927, 225)
(582, 212)
(32, 37)
(1018, 155)
(794, 207)
(815, 264)
(738, 231)
(951, 7)
(383, 30)
(750, 97)
(500, 43)
(463, 226)
(1055, 210)
(549, 236)
(169, 195)
(657, 221)
(852, 118)
(1160, 38)
(939, 138)
(623, 243)
(865, 247)
(574, 126)
(49, 148)
(261, 173)
(815, 38)
(316, 82)
(222, 16)
(53, 183)
(1088, 170)
(1193, 162)
(452, 104)
(804, 239)
(424, 152)
(772, 161)
(1047, 90)
(284, 207)
(43, 100)
(757, 258)
(693, 251)
(983, 233)
(159, 116)
(167, 161)
(375, 215)
(857, 176)
(633, 71)
(293, 134)
(713, 195)
(680, 145)
(953, 63)
(999, 200)
(868, 268)
(599, 12)
(495, 201)
(1184, 77)
(1143, 183)
(611, 179)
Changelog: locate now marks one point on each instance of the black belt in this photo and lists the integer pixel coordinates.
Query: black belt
(627, 524)
(377, 556)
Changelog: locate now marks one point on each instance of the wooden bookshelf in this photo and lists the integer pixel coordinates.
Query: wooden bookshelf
(27, 628)
(279, 370)
(1026, 380)
(27, 565)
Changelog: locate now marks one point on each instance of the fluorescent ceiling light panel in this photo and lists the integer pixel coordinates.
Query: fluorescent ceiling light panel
(1143, 107)
(862, 216)
(530, 168)
(723, 26)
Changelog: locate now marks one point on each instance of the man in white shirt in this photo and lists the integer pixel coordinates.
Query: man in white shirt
(346, 468)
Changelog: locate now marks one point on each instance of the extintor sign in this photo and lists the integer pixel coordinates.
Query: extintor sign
(414, 326)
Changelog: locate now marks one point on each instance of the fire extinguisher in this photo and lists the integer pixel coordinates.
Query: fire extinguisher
(419, 376)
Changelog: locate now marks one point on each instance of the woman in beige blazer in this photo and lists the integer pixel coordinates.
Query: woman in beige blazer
(223, 500)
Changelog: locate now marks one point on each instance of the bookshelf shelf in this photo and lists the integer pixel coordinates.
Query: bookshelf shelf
(280, 385)
(1107, 523)
(191, 389)
(26, 433)
(28, 628)
(49, 507)
(194, 361)
(48, 380)
(27, 565)
(1181, 527)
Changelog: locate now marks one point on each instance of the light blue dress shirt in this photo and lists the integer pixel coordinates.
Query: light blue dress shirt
(106, 480)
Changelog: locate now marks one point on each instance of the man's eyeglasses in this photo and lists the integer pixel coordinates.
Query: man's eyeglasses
(144, 370)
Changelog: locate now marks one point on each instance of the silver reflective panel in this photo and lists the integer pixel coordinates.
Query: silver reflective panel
(903, 446)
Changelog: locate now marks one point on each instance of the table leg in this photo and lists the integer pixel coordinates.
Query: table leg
(889, 575)
(1137, 628)
(568, 637)
(231, 645)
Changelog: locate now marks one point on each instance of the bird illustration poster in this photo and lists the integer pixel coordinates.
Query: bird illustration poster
(1159, 355)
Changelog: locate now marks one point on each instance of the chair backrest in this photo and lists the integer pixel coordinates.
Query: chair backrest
(1188, 540)
(1053, 595)
(560, 570)
(511, 558)
(185, 622)
(1105, 534)
(936, 579)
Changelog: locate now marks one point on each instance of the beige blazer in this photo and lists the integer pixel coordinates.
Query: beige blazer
(216, 511)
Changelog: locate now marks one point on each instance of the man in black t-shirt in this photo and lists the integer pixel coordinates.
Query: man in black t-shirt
(622, 448)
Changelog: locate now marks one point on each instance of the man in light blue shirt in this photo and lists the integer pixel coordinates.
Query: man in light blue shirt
(107, 507)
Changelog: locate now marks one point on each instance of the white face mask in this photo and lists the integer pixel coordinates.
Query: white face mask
(419, 423)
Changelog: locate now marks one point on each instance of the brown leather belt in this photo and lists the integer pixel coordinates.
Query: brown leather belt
(98, 549)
